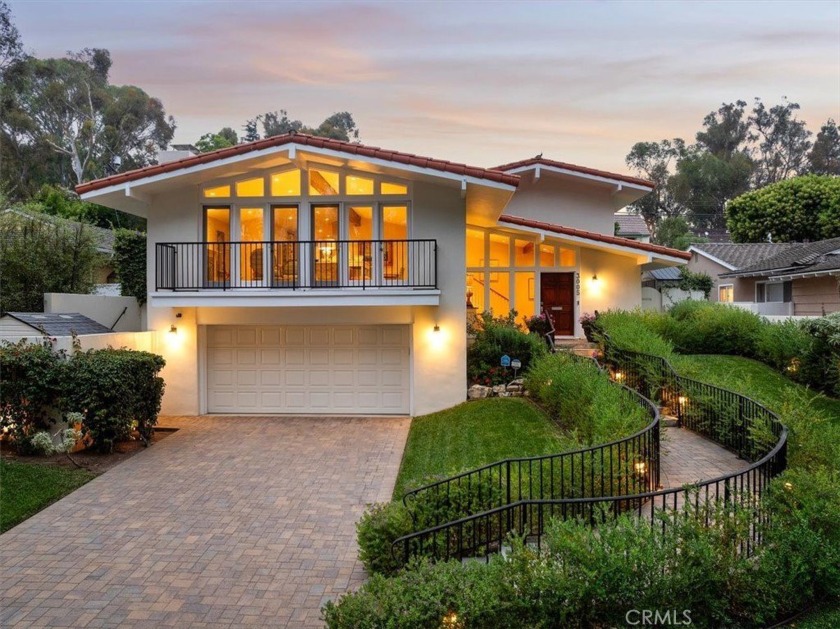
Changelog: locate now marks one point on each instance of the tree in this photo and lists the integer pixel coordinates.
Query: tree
(40, 256)
(655, 162)
(275, 123)
(130, 261)
(57, 201)
(11, 47)
(824, 158)
(67, 105)
(214, 141)
(725, 130)
(780, 140)
(339, 126)
(798, 209)
(675, 232)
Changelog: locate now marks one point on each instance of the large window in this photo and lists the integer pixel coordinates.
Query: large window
(772, 292)
(726, 293)
(217, 237)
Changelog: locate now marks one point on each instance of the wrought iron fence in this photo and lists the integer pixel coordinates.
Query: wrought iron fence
(734, 421)
(293, 265)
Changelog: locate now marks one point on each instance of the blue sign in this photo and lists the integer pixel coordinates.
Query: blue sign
(505, 361)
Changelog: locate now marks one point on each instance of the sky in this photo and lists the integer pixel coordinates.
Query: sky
(480, 82)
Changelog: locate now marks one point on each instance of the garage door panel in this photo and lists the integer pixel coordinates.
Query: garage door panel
(300, 369)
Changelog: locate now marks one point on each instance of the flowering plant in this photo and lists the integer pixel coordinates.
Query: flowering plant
(538, 324)
(588, 322)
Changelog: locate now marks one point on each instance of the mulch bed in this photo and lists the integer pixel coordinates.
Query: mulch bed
(89, 460)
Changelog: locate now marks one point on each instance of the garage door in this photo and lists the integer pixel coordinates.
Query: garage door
(317, 369)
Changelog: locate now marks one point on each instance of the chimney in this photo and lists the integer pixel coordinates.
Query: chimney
(178, 151)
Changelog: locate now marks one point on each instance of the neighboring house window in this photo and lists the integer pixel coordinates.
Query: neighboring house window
(726, 293)
(772, 292)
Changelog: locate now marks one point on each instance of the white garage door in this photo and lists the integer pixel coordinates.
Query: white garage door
(318, 369)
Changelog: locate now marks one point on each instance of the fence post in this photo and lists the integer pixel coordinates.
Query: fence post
(510, 515)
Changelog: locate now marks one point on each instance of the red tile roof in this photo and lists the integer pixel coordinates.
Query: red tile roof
(542, 161)
(361, 150)
(582, 233)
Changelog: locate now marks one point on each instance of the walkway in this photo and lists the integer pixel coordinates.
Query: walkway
(228, 522)
(688, 458)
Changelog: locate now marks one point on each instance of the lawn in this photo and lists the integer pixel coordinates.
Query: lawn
(26, 488)
(753, 379)
(473, 434)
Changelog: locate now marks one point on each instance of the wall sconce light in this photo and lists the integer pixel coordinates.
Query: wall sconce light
(436, 328)
(173, 329)
(594, 277)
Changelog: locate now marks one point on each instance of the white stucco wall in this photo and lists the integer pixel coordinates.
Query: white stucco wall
(103, 309)
(438, 360)
(564, 202)
(619, 283)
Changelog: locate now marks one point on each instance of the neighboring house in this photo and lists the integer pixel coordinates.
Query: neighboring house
(801, 280)
(717, 258)
(104, 274)
(631, 226)
(18, 325)
(307, 275)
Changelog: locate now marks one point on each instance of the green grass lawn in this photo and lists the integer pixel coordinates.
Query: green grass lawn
(26, 488)
(473, 434)
(753, 379)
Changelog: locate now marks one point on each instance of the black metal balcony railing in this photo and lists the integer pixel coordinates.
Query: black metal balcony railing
(292, 265)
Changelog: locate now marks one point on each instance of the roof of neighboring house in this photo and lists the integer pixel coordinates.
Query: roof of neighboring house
(59, 324)
(822, 256)
(308, 140)
(595, 236)
(735, 256)
(543, 161)
(103, 237)
(631, 225)
(668, 274)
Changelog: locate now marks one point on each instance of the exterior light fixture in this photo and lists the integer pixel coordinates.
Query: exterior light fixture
(682, 400)
(173, 329)
(436, 328)
(641, 468)
(619, 376)
(594, 277)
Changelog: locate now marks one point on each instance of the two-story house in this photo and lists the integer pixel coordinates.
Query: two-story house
(305, 275)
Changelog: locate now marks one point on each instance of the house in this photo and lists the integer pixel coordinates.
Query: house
(631, 226)
(104, 273)
(718, 258)
(18, 325)
(802, 279)
(306, 275)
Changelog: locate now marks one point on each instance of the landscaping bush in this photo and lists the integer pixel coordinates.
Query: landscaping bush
(32, 388)
(115, 387)
(706, 328)
(636, 331)
(380, 525)
(496, 338)
(821, 364)
(783, 346)
(590, 408)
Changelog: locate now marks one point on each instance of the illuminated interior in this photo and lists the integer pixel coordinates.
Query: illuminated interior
(393, 188)
(251, 188)
(547, 255)
(323, 182)
(499, 250)
(251, 249)
(524, 252)
(286, 184)
(359, 185)
(217, 230)
(395, 254)
(217, 192)
(524, 301)
(285, 256)
(499, 288)
(360, 254)
(325, 232)
(475, 247)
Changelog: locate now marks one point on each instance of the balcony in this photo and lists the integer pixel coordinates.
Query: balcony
(303, 268)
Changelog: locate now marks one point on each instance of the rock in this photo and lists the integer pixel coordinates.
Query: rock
(478, 392)
(499, 389)
(505, 394)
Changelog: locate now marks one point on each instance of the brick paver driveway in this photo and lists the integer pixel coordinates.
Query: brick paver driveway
(228, 522)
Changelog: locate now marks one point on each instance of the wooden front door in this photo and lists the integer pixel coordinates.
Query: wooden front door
(557, 293)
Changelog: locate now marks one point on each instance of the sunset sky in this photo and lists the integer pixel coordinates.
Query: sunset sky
(484, 83)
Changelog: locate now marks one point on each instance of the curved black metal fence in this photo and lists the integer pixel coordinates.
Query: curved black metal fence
(734, 421)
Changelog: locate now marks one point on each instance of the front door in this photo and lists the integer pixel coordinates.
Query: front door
(557, 298)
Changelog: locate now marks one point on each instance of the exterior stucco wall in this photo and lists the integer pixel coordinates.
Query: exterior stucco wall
(438, 360)
(619, 283)
(107, 310)
(564, 202)
(743, 288)
(816, 296)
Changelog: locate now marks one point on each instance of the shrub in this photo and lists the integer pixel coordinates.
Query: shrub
(706, 328)
(783, 346)
(41, 443)
(376, 531)
(32, 388)
(496, 338)
(691, 281)
(821, 365)
(636, 331)
(130, 261)
(116, 387)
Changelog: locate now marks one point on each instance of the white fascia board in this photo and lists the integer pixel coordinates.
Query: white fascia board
(705, 254)
(575, 173)
(293, 149)
(594, 243)
(794, 276)
(292, 299)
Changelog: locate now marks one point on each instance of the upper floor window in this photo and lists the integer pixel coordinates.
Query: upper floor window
(286, 184)
(359, 185)
(219, 192)
(323, 182)
(393, 188)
